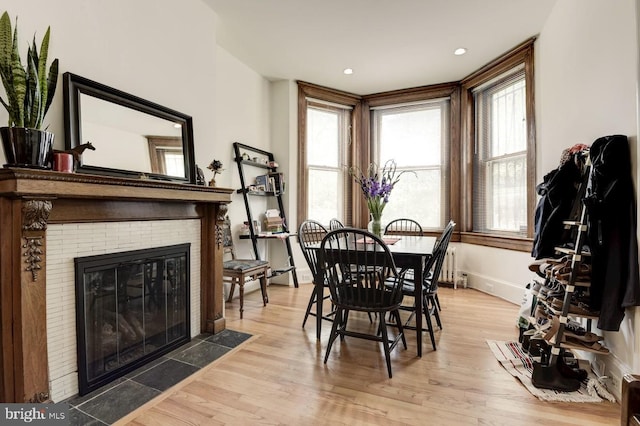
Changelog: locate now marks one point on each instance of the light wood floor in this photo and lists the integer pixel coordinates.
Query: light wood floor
(278, 377)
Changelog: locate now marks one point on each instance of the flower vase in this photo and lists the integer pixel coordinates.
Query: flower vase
(375, 227)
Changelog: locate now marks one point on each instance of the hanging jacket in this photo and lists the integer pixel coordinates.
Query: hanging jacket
(611, 209)
(558, 192)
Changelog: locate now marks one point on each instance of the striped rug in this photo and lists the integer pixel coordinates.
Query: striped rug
(520, 366)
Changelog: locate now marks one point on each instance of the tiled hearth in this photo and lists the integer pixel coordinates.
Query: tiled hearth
(106, 405)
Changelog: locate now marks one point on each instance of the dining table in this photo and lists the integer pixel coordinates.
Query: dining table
(408, 252)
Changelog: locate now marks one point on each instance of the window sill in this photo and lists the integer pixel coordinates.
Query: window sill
(498, 241)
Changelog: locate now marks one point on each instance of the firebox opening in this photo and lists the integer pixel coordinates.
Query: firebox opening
(132, 307)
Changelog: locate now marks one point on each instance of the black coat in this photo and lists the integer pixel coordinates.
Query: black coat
(558, 192)
(611, 209)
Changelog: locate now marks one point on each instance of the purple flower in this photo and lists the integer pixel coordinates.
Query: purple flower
(376, 189)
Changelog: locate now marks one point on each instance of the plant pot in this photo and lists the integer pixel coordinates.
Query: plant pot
(25, 147)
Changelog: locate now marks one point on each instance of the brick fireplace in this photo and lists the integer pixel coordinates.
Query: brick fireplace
(46, 220)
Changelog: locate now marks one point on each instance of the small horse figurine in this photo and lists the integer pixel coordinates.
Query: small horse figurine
(76, 152)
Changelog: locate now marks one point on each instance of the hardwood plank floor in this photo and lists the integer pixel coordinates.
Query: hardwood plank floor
(278, 377)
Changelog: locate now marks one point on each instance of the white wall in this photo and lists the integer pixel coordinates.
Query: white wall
(242, 114)
(160, 50)
(587, 75)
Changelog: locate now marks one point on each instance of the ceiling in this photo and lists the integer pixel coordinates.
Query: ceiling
(390, 44)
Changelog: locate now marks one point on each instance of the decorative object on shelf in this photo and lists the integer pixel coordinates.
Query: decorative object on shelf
(63, 162)
(216, 168)
(76, 157)
(199, 176)
(29, 94)
(376, 186)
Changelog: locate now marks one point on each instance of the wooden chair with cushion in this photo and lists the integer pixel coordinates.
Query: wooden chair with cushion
(239, 271)
(403, 227)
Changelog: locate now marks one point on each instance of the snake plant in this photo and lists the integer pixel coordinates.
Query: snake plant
(30, 90)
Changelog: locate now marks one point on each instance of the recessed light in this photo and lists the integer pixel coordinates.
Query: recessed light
(177, 125)
(348, 71)
(460, 51)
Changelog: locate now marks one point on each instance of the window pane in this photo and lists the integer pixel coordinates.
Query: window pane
(323, 136)
(412, 138)
(416, 138)
(507, 202)
(174, 164)
(508, 120)
(323, 203)
(327, 137)
(500, 175)
(418, 197)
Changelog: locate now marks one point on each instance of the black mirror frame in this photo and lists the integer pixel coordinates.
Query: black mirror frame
(74, 85)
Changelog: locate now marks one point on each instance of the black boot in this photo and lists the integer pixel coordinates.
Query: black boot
(572, 369)
(548, 377)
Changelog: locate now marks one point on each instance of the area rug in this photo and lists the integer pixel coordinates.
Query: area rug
(520, 366)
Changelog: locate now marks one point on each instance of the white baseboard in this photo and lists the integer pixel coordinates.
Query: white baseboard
(614, 372)
(505, 290)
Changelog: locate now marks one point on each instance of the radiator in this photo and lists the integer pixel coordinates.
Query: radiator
(449, 271)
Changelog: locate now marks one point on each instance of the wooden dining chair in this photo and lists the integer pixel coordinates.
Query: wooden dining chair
(431, 273)
(371, 265)
(310, 235)
(335, 224)
(403, 227)
(239, 271)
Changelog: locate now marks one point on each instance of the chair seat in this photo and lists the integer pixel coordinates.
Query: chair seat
(408, 286)
(243, 264)
(369, 299)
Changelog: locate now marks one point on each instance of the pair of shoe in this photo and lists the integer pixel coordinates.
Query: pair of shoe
(542, 266)
(533, 342)
(550, 377)
(575, 307)
(569, 366)
(551, 287)
(563, 272)
(536, 286)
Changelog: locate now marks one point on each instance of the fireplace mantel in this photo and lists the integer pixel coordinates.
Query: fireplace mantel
(30, 200)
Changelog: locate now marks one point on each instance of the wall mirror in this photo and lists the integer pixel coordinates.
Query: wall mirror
(132, 137)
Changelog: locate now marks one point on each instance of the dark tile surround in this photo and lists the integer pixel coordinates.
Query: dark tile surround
(106, 405)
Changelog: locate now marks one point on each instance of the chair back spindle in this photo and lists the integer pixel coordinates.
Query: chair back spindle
(403, 227)
(335, 224)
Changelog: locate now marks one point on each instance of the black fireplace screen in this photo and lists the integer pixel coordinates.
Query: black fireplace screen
(132, 307)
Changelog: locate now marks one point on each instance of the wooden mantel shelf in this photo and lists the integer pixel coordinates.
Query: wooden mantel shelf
(19, 182)
(30, 200)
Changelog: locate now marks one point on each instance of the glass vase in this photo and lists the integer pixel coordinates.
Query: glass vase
(375, 226)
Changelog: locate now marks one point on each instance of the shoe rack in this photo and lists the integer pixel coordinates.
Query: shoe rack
(549, 374)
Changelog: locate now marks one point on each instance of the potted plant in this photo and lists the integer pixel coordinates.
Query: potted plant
(29, 92)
